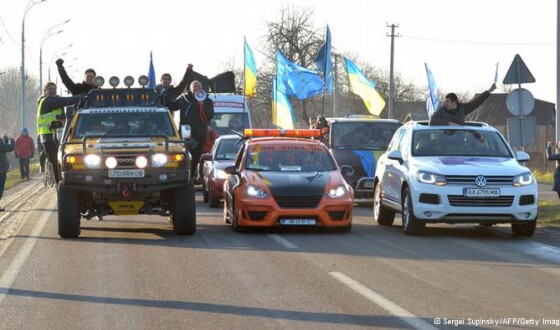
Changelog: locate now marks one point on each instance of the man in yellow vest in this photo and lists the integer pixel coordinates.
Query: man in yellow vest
(49, 112)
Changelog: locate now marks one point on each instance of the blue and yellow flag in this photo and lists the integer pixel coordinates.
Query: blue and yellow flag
(282, 111)
(151, 74)
(250, 72)
(363, 87)
(295, 80)
(324, 62)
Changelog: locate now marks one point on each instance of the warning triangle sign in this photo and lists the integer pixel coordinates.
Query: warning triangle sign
(518, 72)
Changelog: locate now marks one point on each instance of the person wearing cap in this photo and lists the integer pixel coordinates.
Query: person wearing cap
(453, 112)
(6, 145)
(24, 150)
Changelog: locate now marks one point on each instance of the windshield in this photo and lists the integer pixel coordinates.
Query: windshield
(124, 123)
(362, 135)
(439, 142)
(288, 158)
(227, 149)
(224, 123)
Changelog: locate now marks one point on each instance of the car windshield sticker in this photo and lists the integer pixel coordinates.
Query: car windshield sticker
(470, 160)
(290, 168)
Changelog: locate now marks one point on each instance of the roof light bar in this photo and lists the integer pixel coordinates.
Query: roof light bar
(304, 133)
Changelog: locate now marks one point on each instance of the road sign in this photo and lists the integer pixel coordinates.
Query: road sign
(522, 131)
(518, 72)
(520, 102)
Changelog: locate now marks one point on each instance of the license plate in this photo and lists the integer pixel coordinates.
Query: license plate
(368, 184)
(298, 222)
(481, 192)
(126, 173)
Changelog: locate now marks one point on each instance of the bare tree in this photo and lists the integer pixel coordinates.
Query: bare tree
(10, 91)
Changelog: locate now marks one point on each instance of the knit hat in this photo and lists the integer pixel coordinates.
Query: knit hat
(24, 131)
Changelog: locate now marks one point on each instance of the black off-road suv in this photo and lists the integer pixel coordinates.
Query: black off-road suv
(123, 155)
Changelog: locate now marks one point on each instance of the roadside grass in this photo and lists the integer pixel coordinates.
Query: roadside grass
(13, 178)
(549, 214)
(543, 177)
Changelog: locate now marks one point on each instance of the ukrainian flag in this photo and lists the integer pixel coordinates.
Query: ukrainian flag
(363, 87)
(282, 111)
(250, 72)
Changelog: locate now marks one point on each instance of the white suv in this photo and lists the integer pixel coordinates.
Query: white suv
(454, 174)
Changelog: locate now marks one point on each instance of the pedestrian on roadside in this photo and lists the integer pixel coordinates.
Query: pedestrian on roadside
(25, 148)
(42, 154)
(554, 156)
(49, 114)
(6, 145)
(453, 112)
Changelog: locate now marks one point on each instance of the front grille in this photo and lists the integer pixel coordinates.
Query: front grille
(469, 180)
(257, 215)
(126, 161)
(459, 200)
(429, 199)
(297, 202)
(527, 200)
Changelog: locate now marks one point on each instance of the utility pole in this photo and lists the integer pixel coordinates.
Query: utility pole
(391, 82)
(557, 136)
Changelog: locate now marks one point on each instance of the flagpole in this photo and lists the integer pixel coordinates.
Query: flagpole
(244, 82)
(335, 88)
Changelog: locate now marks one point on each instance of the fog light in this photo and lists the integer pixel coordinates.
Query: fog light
(527, 215)
(428, 214)
(163, 177)
(89, 178)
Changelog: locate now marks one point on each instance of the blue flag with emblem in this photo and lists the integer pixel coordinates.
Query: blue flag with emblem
(151, 74)
(324, 62)
(432, 104)
(296, 80)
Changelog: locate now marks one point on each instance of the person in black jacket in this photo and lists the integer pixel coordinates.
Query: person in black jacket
(169, 93)
(554, 156)
(453, 112)
(197, 114)
(6, 145)
(76, 88)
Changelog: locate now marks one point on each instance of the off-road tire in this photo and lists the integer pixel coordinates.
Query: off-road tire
(68, 212)
(381, 214)
(184, 212)
(411, 225)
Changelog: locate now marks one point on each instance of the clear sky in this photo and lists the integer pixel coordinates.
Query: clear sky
(460, 40)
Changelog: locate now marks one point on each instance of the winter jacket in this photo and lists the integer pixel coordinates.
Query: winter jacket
(169, 95)
(5, 147)
(457, 115)
(25, 147)
(556, 157)
(191, 114)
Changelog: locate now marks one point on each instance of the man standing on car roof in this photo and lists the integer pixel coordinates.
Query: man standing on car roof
(453, 112)
(76, 88)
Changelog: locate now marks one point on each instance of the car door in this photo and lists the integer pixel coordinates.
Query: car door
(394, 170)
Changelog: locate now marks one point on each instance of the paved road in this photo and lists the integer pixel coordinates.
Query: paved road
(134, 273)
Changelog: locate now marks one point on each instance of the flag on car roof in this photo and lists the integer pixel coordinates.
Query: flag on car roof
(432, 103)
(151, 73)
(363, 87)
(282, 110)
(250, 72)
(324, 62)
(296, 80)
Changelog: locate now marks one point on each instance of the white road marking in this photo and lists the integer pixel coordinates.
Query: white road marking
(9, 276)
(382, 302)
(282, 241)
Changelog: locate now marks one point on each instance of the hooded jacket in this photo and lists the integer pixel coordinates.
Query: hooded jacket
(457, 115)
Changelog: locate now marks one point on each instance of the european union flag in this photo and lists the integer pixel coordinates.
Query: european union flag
(432, 104)
(151, 74)
(295, 80)
(324, 62)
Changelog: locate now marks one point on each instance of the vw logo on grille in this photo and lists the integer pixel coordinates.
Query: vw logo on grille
(480, 181)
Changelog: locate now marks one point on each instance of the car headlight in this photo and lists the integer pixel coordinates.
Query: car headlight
(220, 174)
(92, 161)
(141, 162)
(111, 162)
(257, 192)
(431, 178)
(337, 192)
(524, 179)
(159, 160)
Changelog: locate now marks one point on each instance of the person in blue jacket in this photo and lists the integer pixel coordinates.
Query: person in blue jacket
(554, 156)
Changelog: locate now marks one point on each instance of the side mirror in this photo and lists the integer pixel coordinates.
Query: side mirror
(185, 131)
(522, 156)
(346, 170)
(395, 155)
(231, 170)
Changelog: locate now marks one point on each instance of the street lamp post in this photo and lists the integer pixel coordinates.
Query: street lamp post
(57, 54)
(49, 33)
(29, 5)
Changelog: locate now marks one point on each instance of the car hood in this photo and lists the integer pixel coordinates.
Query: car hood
(456, 165)
(292, 184)
(221, 164)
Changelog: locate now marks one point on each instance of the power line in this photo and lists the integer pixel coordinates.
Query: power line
(479, 42)
(7, 32)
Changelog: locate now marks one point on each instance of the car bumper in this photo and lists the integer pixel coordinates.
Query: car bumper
(267, 213)
(447, 204)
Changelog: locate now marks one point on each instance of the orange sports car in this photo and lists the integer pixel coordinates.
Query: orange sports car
(280, 179)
